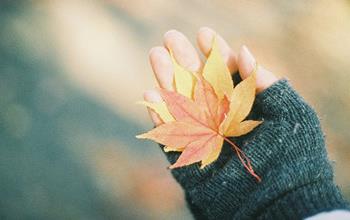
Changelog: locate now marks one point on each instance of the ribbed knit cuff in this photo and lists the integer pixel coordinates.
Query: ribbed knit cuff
(306, 201)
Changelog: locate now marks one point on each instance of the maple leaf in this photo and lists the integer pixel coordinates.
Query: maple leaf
(203, 112)
(183, 79)
(216, 72)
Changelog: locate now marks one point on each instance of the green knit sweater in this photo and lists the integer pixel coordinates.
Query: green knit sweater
(287, 151)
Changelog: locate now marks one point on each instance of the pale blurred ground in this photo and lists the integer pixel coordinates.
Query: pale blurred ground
(71, 72)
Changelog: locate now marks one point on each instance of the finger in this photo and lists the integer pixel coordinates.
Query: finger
(184, 52)
(162, 67)
(246, 64)
(153, 96)
(205, 39)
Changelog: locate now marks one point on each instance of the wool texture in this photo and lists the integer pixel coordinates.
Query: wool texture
(287, 151)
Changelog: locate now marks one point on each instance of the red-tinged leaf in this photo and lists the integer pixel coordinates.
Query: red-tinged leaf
(216, 112)
(183, 109)
(196, 151)
(223, 109)
(176, 134)
(205, 97)
(215, 152)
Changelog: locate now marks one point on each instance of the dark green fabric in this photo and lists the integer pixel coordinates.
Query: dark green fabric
(287, 151)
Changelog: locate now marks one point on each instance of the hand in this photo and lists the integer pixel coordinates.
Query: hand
(287, 151)
(187, 56)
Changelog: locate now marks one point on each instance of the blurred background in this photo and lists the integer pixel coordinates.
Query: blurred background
(72, 70)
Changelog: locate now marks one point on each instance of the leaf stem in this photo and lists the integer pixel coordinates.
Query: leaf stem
(243, 158)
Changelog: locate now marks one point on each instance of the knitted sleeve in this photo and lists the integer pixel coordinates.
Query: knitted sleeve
(288, 151)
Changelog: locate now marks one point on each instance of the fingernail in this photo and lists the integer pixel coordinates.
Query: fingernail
(248, 57)
(171, 33)
(156, 50)
(206, 34)
(207, 30)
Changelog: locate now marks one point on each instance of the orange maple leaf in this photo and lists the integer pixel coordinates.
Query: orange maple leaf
(203, 112)
(202, 124)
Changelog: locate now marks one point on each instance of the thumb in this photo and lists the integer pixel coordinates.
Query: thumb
(246, 64)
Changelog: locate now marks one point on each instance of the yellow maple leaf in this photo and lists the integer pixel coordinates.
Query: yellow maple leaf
(241, 102)
(214, 154)
(174, 149)
(183, 79)
(217, 73)
(161, 109)
(203, 111)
